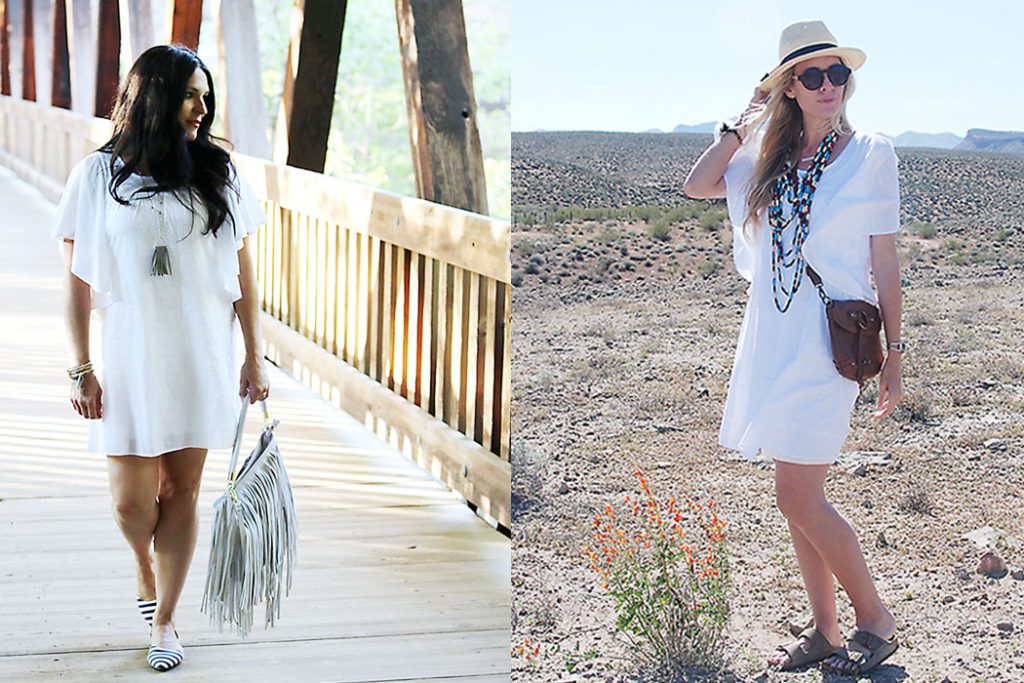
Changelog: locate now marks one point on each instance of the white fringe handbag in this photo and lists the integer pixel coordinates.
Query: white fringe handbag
(254, 536)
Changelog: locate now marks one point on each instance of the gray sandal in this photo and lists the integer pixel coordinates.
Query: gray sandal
(817, 649)
(863, 652)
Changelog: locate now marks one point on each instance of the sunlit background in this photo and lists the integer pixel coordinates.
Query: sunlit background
(937, 67)
(369, 140)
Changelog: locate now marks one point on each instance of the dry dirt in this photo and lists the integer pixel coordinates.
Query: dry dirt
(622, 347)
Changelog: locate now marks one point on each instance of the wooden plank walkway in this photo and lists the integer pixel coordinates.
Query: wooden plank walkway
(397, 580)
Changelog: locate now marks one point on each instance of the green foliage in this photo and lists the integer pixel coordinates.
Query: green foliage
(666, 569)
(659, 230)
(712, 219)
(709, 267)
(369, 141)
(924, 230)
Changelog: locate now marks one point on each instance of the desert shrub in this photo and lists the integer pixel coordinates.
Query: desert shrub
(659, 230)
(517, 278)
(527, 248)
(923, 230)
(601, 268)
(667, 570)
(709, 267)
(607, 234)
(914, 408)
(918, 502)
(712, 219)
(953, 245)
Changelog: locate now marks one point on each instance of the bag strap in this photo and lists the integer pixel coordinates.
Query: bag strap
(238, 435)
(816, 281)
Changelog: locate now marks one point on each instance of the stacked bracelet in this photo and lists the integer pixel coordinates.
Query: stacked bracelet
(78, 373)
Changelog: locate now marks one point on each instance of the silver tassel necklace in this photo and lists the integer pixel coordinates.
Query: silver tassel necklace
(161, 261)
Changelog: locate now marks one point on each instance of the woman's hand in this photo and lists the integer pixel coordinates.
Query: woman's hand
(756, 100)
(87, 397)
(890, 386)
(253, 380)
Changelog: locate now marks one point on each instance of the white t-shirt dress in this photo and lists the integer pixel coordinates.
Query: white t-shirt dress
(169, 373)
(785, 397)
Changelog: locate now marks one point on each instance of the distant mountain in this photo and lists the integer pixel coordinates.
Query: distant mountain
(654, 130)
(1003, 141)
(934, 140)
(708, 127)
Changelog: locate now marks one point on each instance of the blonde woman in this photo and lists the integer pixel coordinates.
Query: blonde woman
(803, 188)
(153, 227)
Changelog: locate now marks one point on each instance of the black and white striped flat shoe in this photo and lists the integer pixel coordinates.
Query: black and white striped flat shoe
(146, 608)
(163, 659)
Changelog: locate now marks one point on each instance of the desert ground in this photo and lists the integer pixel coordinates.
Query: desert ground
(626, 310)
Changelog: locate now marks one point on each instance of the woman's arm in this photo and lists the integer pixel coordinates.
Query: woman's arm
(253, 378)
(707, 177)
(886, 268)
(87, 397)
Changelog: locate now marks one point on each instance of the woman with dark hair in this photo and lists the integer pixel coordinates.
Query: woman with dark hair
(153, 227)
(803, 189)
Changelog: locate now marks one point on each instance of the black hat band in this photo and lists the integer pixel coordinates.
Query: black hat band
(805, 50)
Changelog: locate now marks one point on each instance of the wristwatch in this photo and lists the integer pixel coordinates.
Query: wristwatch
(900, 346)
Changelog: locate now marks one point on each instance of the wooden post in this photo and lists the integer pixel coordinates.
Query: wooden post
(108, 49)
(42, 32)
(447, 158)
(141, 32)
(28, 58)
(5, 50)
(184, 21)
(60, 82)
(82, 55)
(308, 114)
(241, 99)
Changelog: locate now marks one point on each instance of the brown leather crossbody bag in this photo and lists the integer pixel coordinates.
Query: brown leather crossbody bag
(854, 329)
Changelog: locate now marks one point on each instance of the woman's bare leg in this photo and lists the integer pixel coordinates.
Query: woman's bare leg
(176, 531)
(800, 495)
(133, 487)
(818, 584)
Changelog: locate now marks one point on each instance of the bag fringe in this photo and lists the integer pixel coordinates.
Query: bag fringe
(254, 542)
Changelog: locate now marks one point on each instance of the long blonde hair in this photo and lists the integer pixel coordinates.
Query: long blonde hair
(783, 122)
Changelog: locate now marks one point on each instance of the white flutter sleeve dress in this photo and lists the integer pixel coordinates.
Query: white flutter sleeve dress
(169, 371)
(785, 397)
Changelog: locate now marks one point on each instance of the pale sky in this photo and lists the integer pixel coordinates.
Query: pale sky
(932, 67)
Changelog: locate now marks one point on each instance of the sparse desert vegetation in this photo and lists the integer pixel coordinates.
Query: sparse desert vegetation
(627, 308)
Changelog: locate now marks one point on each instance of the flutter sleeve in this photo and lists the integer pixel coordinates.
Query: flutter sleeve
(248, 216)
(881, 212)
(81, 217)
(737, 179)
(245, 208)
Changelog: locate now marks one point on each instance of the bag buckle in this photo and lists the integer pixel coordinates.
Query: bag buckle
(860, 318)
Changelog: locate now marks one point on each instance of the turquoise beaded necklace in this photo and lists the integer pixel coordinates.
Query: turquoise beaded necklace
(798, 193)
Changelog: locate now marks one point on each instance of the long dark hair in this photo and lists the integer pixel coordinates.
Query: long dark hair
(146, 128)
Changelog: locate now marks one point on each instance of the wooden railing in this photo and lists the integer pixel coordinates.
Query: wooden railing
(394, 308)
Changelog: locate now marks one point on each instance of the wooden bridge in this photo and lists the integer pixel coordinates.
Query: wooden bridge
(388, 320)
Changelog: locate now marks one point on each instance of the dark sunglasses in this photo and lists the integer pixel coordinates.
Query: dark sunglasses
(813, 77)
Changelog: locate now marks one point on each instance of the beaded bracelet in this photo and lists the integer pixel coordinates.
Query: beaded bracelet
(78, 373)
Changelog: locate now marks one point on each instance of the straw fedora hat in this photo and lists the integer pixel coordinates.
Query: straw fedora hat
(807, 40)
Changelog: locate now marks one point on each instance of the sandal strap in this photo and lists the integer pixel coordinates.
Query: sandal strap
(868, 640)
(817, 644)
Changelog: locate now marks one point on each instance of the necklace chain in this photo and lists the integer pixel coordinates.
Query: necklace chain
(788, 260)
